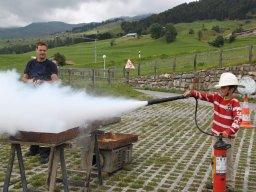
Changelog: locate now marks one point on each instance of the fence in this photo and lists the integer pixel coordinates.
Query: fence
(187, 63)
(71, 76)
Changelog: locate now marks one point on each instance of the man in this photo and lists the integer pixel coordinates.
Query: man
(38, 71)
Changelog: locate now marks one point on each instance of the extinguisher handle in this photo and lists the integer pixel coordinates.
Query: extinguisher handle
(228, 146)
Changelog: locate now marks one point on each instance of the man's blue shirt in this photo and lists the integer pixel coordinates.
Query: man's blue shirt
(40, 70)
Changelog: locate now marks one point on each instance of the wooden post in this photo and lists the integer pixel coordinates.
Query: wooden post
(53, 172)
(62, 74)
(139, 69)
(113, 74)
(195, 62)
(127, 76)
(109, 77)
(21, 165)
(10, 166)
(87, 148)
(155, 70)
(56, 156)
(97, 153)
(93, 78)
(63, 168)
(69, 76)
(250, 54)
(220, 59)
(124, 72)
(174, 64)
(9, 169)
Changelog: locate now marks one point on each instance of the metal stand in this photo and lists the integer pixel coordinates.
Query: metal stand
(17, 148)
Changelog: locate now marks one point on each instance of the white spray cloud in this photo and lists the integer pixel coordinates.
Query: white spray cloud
(52, 108)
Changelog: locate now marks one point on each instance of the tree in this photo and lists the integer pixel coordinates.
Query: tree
(127, 26)
(218, 42)
(216, 29)
(61, 59)
(232, 38)
(191, 31)
(170, 33)
(112, 42)
(156, 31)
(200, 35)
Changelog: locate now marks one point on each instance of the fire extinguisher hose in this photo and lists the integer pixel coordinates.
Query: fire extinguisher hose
(196, 120)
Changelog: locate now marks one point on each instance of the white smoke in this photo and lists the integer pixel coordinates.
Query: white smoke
(51, 107)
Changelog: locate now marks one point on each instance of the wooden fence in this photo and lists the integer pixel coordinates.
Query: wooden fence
(187, 63)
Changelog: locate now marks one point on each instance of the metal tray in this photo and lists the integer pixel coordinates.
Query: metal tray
(61, 137)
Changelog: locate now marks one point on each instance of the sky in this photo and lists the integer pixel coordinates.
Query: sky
(19, 13)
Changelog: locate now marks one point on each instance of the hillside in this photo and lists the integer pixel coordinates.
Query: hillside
(37, 29)
(83, 54)
(198, 10)
(47, 28)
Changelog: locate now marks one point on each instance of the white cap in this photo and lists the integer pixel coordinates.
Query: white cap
(227, 79)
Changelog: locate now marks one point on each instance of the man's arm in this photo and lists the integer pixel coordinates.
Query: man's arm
(54, 77)
(26, 79)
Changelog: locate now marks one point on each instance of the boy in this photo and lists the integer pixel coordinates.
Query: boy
(226, 120)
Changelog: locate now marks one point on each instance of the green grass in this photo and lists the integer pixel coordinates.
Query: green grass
(127, 48)
(114, 89)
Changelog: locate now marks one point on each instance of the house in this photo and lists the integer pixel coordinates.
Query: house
(131, 35)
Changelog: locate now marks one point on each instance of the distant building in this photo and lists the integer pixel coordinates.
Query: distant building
(131, 35)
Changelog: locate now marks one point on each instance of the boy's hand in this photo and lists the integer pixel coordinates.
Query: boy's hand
(187, 93)
(224, 134)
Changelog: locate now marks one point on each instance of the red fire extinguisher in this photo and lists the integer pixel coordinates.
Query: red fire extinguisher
(220, 165)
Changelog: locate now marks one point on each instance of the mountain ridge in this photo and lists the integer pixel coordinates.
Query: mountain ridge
(46, 28)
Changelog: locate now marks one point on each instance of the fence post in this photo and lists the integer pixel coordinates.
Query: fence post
(250, 54)
(69, 76)
(195, 62)
(93, 78)
(139, 69)
(62, 74)
(220, 61)
(113, 74)
(174, 64)
(124, 71)
(127, 76)
(155, 70)
(109, 76)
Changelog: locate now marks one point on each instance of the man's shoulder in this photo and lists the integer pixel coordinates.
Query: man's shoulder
(32, 61)
(51, 66)
(48, 61)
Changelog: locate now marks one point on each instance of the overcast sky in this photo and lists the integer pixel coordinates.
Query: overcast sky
(23, 12)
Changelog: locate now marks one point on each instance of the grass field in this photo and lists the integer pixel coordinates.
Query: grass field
(127, 48)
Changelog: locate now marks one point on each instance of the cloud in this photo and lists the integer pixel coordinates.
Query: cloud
(20, 12)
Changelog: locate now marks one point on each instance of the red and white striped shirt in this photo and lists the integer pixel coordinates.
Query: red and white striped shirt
(227, 113)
